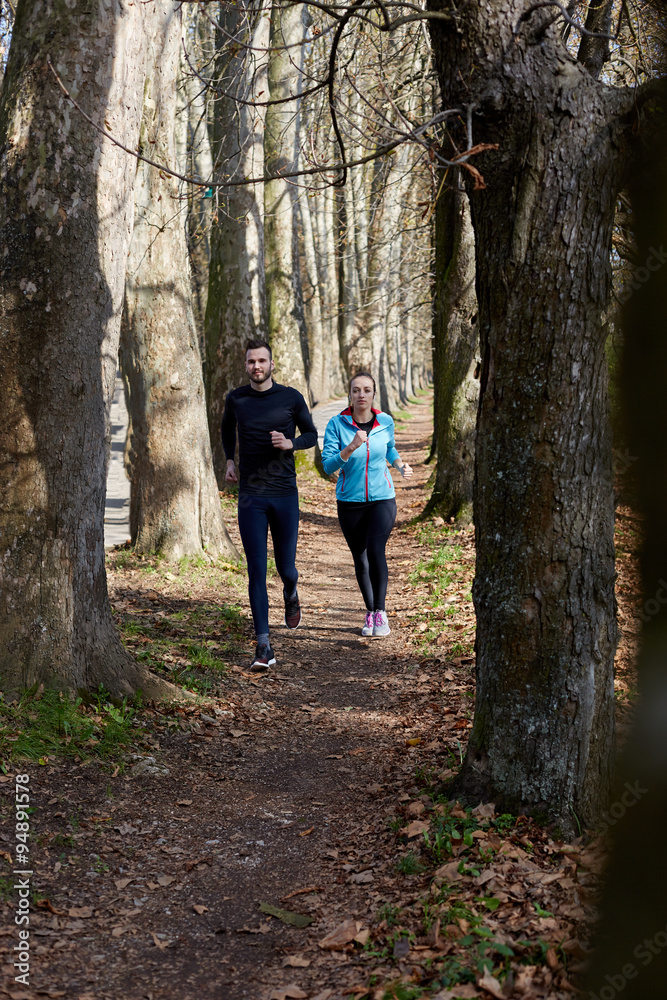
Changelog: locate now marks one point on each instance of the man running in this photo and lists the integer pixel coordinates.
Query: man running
(266, 415)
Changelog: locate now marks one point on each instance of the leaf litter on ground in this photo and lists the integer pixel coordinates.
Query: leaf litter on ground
(465, 900)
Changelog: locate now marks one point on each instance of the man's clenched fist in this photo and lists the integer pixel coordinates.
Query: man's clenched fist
(278, 440)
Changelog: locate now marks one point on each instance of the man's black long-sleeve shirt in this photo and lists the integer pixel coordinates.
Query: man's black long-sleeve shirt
(263, 469)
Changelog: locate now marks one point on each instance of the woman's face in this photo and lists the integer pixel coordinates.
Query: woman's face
(361, 392)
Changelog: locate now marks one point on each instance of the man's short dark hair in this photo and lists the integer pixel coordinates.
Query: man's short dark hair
(256, 345)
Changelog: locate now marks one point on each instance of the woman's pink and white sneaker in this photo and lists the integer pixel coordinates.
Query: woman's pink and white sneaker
(367, 627)
(380, 624)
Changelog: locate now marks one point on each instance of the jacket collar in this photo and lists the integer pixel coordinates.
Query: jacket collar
(347, 412)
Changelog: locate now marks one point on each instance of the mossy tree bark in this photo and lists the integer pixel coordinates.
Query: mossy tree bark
(455, 355)
(236, 307)
(543, 732)
(66, 212)
(174, 502)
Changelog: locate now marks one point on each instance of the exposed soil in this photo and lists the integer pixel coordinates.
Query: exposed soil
(305, 789)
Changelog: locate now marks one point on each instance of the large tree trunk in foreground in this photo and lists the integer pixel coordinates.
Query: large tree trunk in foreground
(283, 284)
(543, 735)
(174, 502)
(455, 349)
(631, 960)
(66, 211)
(236, 308)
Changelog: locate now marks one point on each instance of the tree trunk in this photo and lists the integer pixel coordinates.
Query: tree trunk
(198, 163)
(318, 376)
(283, 285)
(391, 183)
(354, 347)
(542, 736)
(455, 348)
(236, 309)
(174, 502)
(327, 230)
(66, 211)
(631, 959)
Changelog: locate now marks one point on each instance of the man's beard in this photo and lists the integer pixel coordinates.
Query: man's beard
(259, 379)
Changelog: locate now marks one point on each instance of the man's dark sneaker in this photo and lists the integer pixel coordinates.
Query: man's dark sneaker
(264, 658)
(292, 611)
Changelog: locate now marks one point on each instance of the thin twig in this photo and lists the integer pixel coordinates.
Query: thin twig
(325, 169)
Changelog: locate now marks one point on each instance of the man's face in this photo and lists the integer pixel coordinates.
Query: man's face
(259, 365)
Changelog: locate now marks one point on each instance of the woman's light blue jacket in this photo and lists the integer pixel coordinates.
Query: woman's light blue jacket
(365, 475)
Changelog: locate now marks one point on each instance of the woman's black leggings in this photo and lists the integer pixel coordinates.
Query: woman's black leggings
(366, 529)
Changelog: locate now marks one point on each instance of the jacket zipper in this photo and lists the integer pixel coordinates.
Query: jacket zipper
(368, 455)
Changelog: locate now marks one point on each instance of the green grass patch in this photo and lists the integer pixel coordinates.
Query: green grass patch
(51, 723)
(409, 864)
(192, 646)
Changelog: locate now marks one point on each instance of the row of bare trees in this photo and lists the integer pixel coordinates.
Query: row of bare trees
(264, 109)
(336, 277)
(225, 224)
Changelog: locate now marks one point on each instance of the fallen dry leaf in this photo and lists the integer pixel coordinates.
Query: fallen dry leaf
(288, 993)
(122, 883)
(198, 908)
(184, 802)
(297, 961)
(301, 892)
(465, 990)
(304, 833)
(160, 944)
(165, 880)
(416, 808)
(416, 828)
(340, 936)
(491, 985)
(80, 911)
(362, 878)
(524, 979)
(485, 810)
(125, 828)
(238, 732)
(46, 904)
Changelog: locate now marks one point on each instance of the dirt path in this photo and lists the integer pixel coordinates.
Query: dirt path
(293, 789)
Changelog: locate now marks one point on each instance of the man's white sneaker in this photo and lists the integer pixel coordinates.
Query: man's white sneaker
(367, 628)
(380, 624)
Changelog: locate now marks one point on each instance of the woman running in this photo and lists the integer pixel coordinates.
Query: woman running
(360, 441)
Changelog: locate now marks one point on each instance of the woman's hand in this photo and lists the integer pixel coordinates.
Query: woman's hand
(406, 471)
(359, 438)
